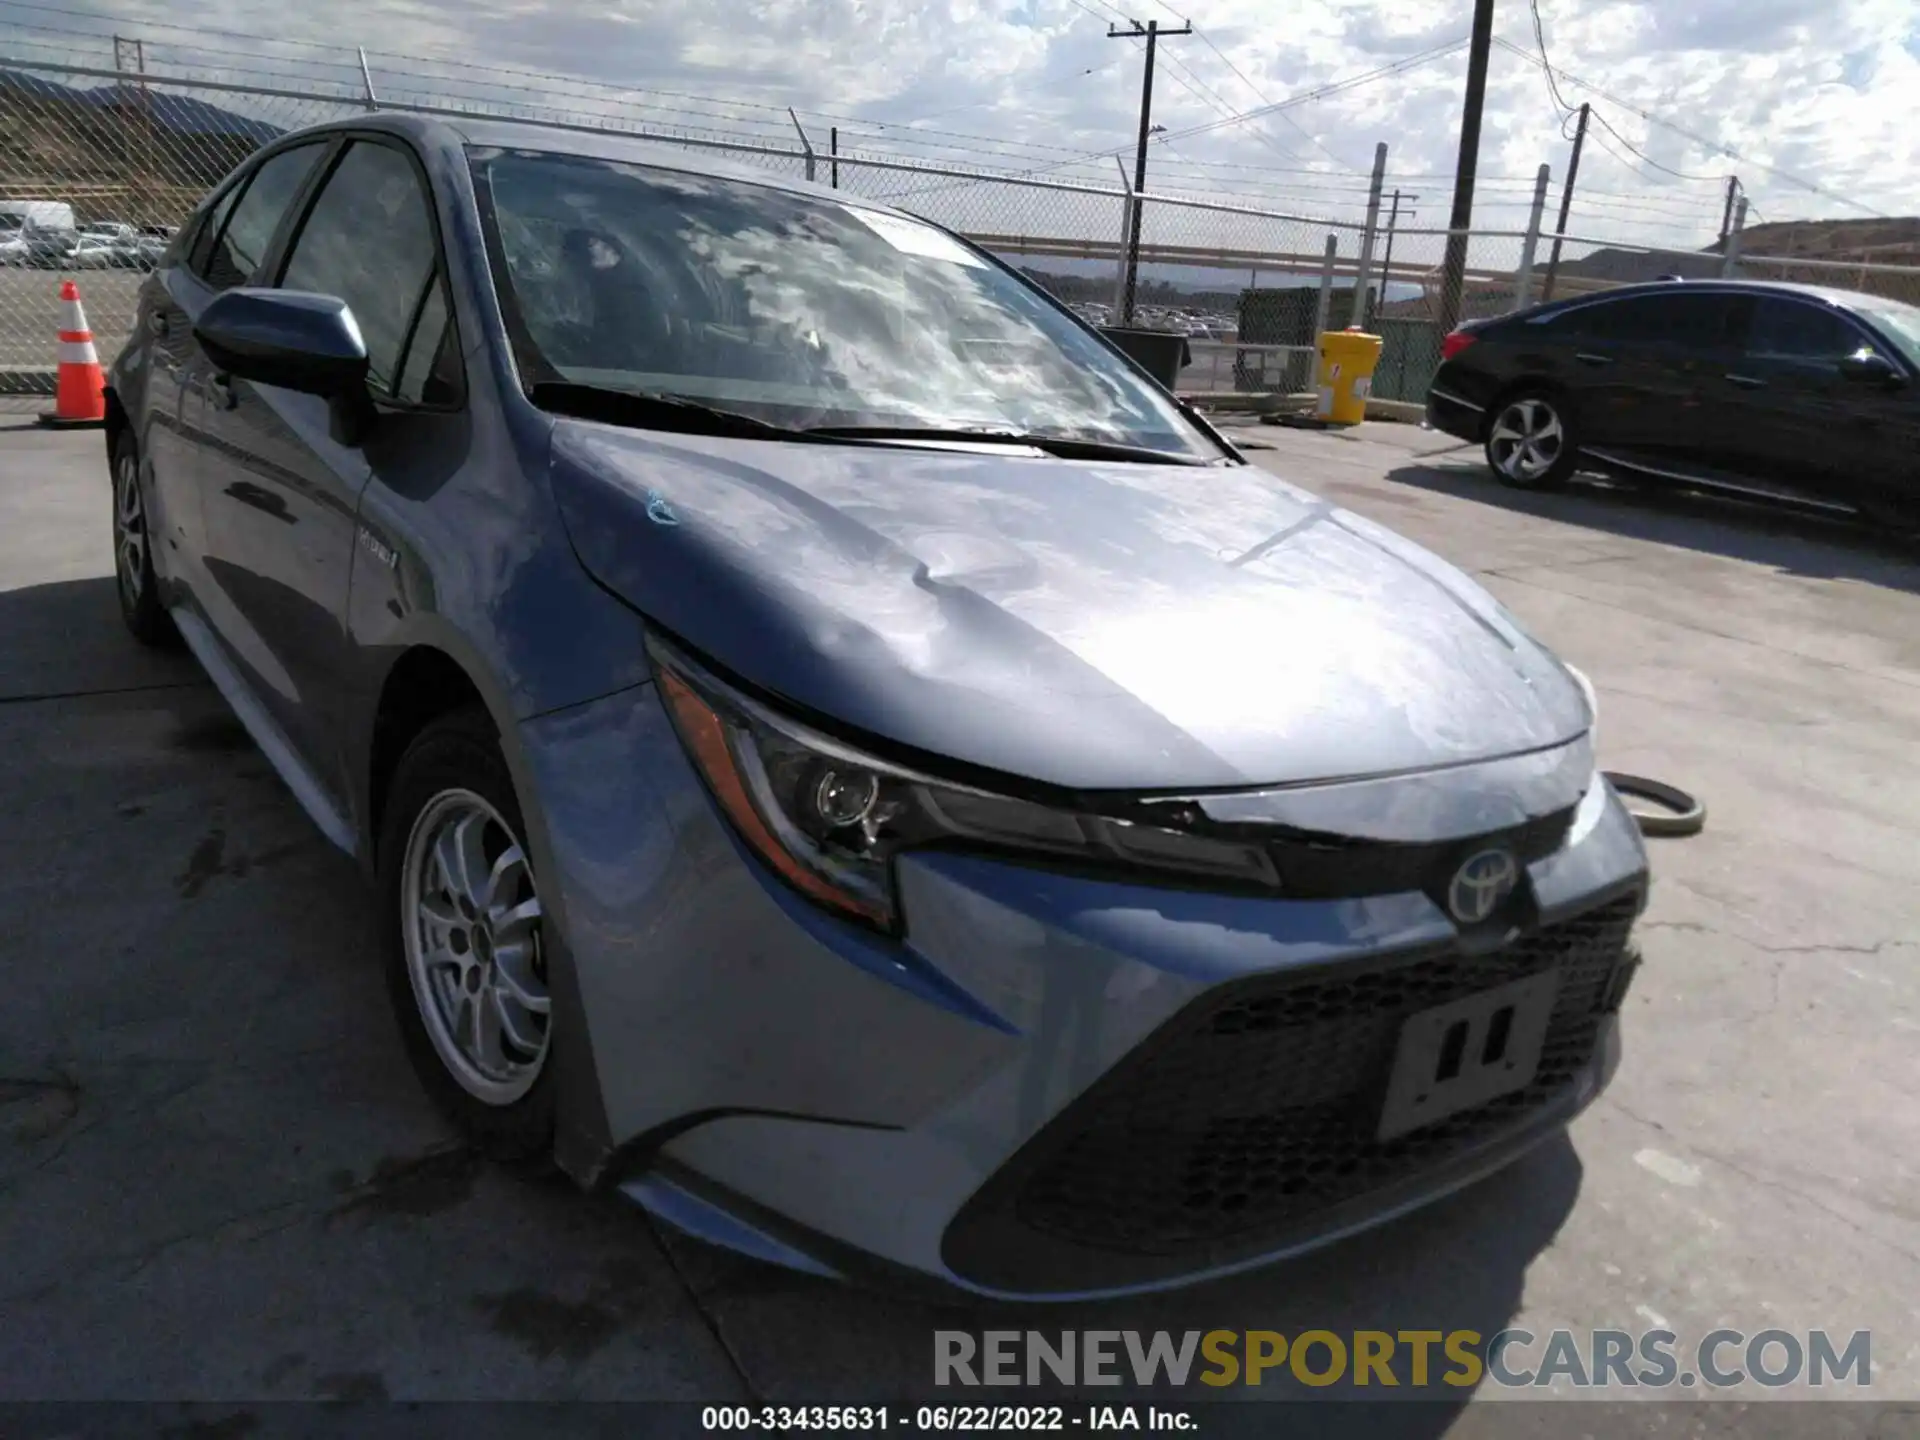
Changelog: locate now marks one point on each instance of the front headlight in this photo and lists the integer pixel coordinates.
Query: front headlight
(828, 818)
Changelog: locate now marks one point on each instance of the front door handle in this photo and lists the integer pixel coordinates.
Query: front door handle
(1586, 357)
(1746, 382)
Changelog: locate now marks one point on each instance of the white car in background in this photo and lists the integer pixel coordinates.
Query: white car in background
(106, 245)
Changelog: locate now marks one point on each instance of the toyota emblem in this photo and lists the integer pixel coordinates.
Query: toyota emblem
(1480, 885)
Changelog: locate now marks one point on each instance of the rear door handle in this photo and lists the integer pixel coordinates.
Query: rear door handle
(1588, 358)
(1746, 382)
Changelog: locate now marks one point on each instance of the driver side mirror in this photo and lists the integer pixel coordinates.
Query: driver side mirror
(297, 341)
(1868, 367)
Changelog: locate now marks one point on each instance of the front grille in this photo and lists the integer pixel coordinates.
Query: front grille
(1256, 1110)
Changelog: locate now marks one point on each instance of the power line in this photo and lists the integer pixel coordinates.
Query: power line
(1553, 87)
(1225, 59)
(1712, 146)
(1183, 75)
(1607, 125)
(1331, 88)
(1632, 168)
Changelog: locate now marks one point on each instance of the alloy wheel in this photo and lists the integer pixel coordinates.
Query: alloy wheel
(129, 527)
(1526, 440)
(470, 918)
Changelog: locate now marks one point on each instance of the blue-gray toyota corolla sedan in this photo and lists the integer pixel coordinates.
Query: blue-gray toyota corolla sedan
(845, 758)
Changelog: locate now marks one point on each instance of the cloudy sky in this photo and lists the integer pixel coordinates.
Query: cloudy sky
(1823, 91)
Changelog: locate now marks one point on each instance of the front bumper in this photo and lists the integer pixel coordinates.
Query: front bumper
(1056, 1086)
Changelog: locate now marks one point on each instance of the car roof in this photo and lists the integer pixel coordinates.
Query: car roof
(1826, 293)
(446, 132)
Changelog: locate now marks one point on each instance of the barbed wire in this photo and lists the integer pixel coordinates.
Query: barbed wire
(673, 114)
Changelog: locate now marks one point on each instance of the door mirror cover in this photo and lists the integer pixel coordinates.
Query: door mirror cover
(1871, 368)
(289, 338)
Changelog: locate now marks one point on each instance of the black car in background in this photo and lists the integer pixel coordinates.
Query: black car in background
(1786, 392)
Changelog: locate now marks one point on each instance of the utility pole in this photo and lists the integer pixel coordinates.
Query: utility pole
(1730, 252)
(1152, 33)
(1386, 265)
(1453, 273)
(142, 178)
(1726, 215)
(1357, 312)
(1566, 204)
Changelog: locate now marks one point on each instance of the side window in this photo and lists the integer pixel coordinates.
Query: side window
(1799, 331)
(209, 230)
(1690, 321)
(1625, 322)
(368, 239)
(1699, 321)
(243, 238)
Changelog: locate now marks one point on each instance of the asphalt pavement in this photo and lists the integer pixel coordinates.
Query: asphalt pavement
(218, 1179)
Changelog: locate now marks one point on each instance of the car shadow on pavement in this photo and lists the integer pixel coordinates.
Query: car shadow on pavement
(1457, 1265)
(66, 638)
(1795, 542)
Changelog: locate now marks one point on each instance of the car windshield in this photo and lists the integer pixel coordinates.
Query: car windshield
(1899, 323)
(795, 309)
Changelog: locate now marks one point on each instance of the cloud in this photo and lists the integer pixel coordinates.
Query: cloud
(1827, 90)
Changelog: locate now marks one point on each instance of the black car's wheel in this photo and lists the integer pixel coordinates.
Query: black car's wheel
(133, 573)
(1530, 441)
(465, 939)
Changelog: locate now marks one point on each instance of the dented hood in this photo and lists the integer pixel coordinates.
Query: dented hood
(1095, 626)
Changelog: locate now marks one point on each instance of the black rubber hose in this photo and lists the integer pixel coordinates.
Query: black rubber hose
(1680, 813)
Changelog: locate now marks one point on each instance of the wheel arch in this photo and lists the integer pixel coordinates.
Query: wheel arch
(426, 681)
(118, 422)
(423, 684)
(1528, 384)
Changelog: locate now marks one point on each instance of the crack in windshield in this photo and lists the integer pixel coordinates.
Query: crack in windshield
(800, 312)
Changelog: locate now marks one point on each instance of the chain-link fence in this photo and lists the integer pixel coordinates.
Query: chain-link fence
(123, 152)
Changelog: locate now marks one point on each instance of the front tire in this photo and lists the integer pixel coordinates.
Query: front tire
(1530, 441)
(465, 939)
(133, 575)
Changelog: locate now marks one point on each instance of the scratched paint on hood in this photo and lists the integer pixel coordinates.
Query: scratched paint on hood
(1092, 625)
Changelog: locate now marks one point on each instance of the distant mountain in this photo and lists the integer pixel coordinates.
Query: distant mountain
(1891, 241)
(181, 114)
(1627, 267)
(19, 82)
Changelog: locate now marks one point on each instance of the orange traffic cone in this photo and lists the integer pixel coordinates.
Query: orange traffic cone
(80, 391)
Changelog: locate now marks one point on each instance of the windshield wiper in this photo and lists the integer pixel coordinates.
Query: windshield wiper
(1066, 447)
(652, 411)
